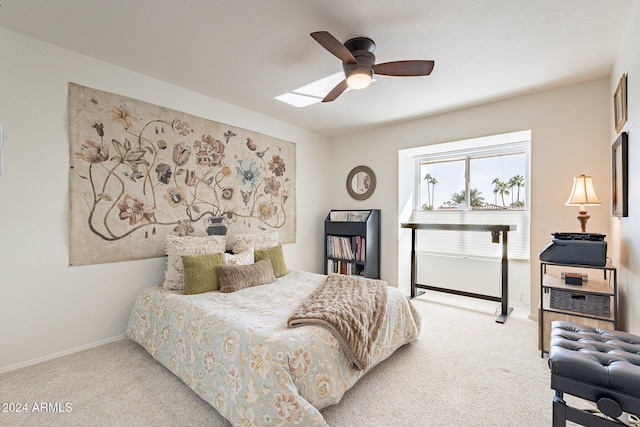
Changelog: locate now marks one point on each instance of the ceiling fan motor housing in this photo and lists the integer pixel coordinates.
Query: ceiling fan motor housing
(360, 43)
(362, 49)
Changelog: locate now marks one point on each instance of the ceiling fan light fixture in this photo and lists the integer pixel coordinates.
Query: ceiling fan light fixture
(359, 78)
(359, 63)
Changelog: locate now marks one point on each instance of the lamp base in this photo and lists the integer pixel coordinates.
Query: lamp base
(583, 217)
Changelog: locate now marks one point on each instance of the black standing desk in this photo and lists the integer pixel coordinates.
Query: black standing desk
(496, 230)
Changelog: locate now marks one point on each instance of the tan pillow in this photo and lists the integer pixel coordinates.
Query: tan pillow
(232, 278)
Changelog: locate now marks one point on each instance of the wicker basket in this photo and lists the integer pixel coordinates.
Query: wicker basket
(580, 302)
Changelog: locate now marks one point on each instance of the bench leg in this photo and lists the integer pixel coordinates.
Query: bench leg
(559, 410)
(562, 413)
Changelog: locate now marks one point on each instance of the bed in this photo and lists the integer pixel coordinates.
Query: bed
(236, 351)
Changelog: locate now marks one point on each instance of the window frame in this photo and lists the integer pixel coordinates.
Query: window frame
(466, 154)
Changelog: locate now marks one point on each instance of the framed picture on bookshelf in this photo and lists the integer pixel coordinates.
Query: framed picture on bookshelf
(349, 216)
(357, 216)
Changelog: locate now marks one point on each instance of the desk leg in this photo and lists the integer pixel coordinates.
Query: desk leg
(414, 265)
(505, 309)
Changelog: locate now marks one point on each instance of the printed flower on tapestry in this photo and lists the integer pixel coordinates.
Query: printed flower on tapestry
(141, 171)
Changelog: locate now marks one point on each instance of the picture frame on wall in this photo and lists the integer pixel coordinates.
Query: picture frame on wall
(620, 176)
(620, 103)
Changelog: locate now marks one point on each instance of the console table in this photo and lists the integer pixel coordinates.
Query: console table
(496, 230)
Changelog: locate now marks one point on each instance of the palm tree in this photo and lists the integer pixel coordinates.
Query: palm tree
(457, 198)
(431, 190)
(496, 186)
(518, 182)
(475, 198)
(500, 187)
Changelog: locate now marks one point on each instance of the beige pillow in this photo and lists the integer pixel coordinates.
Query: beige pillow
(255, 241)
(232, 278)
(177, 246)
(200, 274)
(276, 256)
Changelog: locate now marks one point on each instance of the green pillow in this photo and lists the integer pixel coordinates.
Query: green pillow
(276, 256)
(200, 273)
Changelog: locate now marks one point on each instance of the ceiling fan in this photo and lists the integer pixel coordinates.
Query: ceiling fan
(358, 62)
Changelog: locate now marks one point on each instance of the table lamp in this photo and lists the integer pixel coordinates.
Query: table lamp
(583, 195)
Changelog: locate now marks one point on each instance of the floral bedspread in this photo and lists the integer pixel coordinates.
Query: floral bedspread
(236, 351)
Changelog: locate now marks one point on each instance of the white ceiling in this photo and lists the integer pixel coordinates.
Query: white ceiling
(245, 52)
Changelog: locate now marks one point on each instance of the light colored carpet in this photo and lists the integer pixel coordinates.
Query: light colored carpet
(466, 370)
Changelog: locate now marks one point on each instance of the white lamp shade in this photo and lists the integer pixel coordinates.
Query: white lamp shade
(583, 193)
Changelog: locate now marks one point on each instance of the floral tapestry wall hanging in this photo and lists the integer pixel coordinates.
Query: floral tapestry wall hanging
(139, 172)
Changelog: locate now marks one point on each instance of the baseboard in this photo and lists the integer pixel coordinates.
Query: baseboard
(59, 354)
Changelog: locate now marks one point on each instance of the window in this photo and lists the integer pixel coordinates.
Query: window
(481, 181)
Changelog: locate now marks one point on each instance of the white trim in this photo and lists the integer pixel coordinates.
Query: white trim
(472, 143)
(60, 354)
(461, 154)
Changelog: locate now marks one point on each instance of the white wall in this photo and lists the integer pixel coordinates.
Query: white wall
(46, 307)
(625, 232)
(570, 135)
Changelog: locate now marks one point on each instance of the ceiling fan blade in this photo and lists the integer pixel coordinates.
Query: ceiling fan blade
(336, 91)
(404, 68)
(332, 44)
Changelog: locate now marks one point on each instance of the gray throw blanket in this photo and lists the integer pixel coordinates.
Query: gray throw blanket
(352, 308)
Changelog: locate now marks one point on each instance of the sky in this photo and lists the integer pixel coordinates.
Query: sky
(450, 177)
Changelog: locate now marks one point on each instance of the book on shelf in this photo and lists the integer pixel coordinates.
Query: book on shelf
(344, 267)
(350, 248)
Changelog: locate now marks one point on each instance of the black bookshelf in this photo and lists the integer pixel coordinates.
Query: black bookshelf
(352, 242)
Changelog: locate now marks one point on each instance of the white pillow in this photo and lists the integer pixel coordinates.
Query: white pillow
(243, 258)
(190, 245)
(256, 241)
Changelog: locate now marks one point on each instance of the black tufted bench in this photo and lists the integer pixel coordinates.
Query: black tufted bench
(597, 365)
